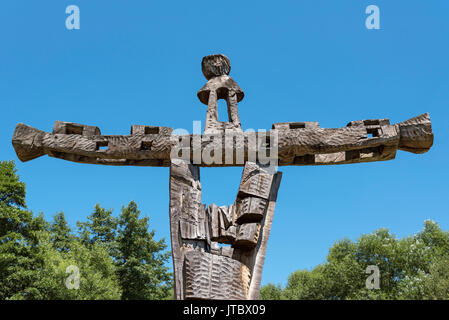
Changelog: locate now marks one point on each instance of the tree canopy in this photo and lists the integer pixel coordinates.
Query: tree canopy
(415, 267)
(107, 258)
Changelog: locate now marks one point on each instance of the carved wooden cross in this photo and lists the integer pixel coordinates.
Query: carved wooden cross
(202, 268)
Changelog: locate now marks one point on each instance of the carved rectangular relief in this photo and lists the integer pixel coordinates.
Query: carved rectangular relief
(210, 276)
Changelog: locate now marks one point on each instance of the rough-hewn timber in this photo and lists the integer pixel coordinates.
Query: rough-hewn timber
(204, 267)
(297, 143)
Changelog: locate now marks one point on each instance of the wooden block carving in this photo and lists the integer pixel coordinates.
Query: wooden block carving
(188, 225)
(255, 182)
(295, 125)
(209, 276)
(299, 143)
(247, 235)
(250, 209)
(221, 226)
(215, 248)
(61, 127)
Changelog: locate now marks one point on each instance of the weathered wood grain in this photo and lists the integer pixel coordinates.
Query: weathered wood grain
(360, 141)
(186, 218)
(210, 276)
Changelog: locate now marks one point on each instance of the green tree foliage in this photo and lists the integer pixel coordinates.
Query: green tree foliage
(19, 234)
(37, 258)
(101, 227)
(61, 234)
(271, 292)
(97, 277)
(415, 267)
(140, 262)
(12, 191)
(139, 259)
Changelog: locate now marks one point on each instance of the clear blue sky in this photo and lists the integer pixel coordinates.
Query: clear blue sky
(138, 62)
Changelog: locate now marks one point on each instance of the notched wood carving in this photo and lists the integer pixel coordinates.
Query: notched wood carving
(297, 143)
(220, 247)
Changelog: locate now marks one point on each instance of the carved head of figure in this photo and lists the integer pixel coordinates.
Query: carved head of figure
(215, 65)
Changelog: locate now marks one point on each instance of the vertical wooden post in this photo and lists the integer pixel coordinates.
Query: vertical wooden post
(212, 111)
(204, 267)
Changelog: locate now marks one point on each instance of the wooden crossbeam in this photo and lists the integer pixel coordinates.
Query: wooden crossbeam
(294, 143)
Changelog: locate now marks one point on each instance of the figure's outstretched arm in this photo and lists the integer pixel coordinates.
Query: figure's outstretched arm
(219, 252)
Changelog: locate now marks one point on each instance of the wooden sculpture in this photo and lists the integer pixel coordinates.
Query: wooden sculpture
(219, 251)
